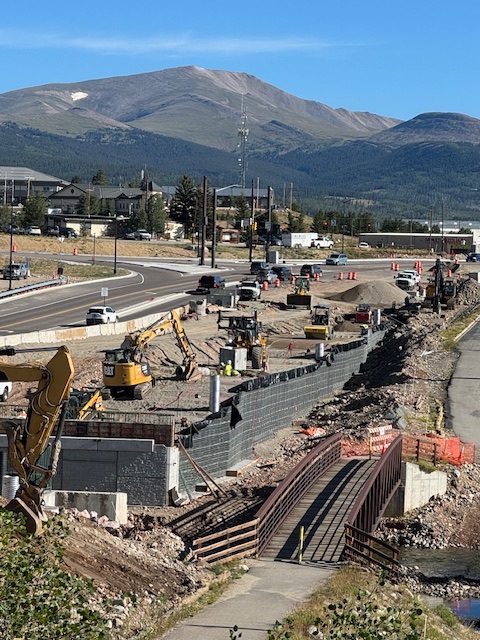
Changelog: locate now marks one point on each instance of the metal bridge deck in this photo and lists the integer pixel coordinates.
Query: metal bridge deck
(322, 512)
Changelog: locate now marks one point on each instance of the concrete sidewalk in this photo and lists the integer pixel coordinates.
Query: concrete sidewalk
(267, 593)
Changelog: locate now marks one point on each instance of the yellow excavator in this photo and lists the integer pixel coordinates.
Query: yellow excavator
(27, 441)
(126, 370)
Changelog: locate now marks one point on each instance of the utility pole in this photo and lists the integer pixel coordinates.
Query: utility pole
(204, 221)
(269, 224)
(252, 222)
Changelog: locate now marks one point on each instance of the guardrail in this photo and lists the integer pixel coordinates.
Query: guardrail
(32, 287)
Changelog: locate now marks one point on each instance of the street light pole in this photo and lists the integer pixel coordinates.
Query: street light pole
(214, 220)
(115, 246)
(11, 247)
(214, 227)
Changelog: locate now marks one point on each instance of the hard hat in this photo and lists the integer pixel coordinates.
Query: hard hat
(229, 362)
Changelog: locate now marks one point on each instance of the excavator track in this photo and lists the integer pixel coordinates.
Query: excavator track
(141, 390)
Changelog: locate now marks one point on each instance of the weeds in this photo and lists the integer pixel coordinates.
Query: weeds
(38, 599)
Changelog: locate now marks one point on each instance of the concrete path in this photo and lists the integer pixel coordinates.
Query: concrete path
(463, 405)
(267, 593)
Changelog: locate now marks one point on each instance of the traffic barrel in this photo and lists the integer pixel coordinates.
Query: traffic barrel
(75, 251)
(340, 275)
(277, 282)
(265, 285)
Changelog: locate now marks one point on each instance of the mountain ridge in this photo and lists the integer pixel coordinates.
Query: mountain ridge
(187, 120)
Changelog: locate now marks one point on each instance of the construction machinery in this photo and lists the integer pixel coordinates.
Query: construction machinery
(84, 403)
(28, 440)
(301, 297)
(127, 370)
(442, 290)
(363, 314)
(320, 327)
(245, 332)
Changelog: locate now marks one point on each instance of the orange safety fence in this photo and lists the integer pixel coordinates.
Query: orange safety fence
(452, 450)
(377, 441)
(431, 447)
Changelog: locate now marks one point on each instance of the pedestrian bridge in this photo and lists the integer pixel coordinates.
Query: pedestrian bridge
(325, 511)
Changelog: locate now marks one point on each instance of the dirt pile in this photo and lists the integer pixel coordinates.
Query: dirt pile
(377, 294)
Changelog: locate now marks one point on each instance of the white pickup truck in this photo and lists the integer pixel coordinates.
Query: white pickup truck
(249, 290)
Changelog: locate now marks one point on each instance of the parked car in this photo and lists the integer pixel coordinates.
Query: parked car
(53, 231)
(101, 315)
(283, 273)
(363, 245)
(142, 234)
(257, 266)
(129, 235)
(337, 259)
(16, 270)
(14, 227)
(473, 257)
(68, 232)
(310, 270)
(33, 230)
(266, 275)
(210, 282)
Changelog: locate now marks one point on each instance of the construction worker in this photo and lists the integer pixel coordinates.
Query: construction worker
(228, 370)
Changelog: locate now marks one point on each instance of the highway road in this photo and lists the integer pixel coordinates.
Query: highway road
(150, 288)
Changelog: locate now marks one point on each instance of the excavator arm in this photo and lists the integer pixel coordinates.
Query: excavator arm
(127, 369)
(27, 443)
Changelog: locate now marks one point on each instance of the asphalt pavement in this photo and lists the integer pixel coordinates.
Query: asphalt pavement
(267, 593)
(463, 406)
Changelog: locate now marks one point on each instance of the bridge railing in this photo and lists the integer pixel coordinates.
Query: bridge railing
(252, 537)
(360, 544)
(279, 504)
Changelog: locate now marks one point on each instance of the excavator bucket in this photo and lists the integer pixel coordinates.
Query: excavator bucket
(34, 516)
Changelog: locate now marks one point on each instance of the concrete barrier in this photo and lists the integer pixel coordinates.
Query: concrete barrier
(84, 332)
(112, 505)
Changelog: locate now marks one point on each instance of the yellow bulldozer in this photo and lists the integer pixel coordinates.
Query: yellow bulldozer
(301, 297)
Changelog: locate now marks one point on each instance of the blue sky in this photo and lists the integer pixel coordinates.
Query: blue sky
(392, 58)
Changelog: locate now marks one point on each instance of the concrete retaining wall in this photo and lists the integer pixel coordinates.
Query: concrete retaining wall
(416, 489)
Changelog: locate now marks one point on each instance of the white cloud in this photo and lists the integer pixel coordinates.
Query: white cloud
(183, 44)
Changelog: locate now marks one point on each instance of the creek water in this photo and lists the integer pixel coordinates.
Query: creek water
(449, 563)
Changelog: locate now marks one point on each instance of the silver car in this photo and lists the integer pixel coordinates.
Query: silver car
(266, 275)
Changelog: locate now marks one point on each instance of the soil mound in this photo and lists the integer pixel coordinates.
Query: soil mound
(376, 294)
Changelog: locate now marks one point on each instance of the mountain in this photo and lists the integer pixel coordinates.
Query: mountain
(187, 120)
(190, 103)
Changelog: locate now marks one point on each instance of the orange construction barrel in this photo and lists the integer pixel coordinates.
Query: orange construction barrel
(340, 275)
(265, 285)
(75, 251)
(277, 282)
(14, 248)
